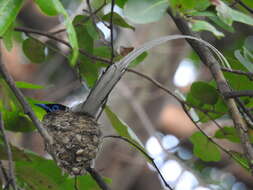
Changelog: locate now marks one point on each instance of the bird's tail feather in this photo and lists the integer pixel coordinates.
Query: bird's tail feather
(114, 72)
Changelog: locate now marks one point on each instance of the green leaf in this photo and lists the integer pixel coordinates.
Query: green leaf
(228, 15)
(86, 182)
(244, 60)
(87, 68)
(102, 51)
(47, 176)
(47, 7)
(17, 154)
(143, 11)
(204, 149)
(124, 131)
(45, 173)
(56, 7)
(8, 37)
(138, 59)
(121, 128)
(224, 12)
(204, 92)
(39, 112)
(9, 9)
(92, 30)
(241, 17)
(118, 20)
(17, 121)
(251, 135)
(185, 5)
(72, 39)
(34, 50)
(240, 159)
(98, 3)
(216, 111)
(238, 82)
(200, 25)
(89, 71)
(221, 24)
(121, 3)
(27, 163)
(228, 133)
(213, 17)
(248, 3)
(22, 84)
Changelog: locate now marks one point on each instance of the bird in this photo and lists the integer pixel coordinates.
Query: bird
(76, 134)
(76, 138)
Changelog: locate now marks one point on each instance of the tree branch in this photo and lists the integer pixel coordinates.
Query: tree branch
(4, 173)
(96, 176)
(245, 112)
(111, 31)
(83, 21)
(159, 85)
(209, 60)
(143, 152)
(25, 105)
(184, 104)
(243, 5)
(12, 177)
(239, 72)
(234, 94)
(50, 36)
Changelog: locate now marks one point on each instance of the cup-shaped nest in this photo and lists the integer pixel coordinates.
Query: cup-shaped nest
(76, 139)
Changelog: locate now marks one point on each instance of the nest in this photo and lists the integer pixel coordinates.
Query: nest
(76, 139)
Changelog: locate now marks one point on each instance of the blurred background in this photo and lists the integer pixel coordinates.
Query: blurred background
(156, 118)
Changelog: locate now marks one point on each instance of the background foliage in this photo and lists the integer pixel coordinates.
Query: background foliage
(89, 51)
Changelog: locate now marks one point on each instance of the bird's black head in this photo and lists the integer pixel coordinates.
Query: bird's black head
(52, 107)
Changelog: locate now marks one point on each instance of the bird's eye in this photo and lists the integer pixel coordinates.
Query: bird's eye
(55, 108)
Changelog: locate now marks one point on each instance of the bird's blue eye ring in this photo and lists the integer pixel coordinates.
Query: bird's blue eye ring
(55, 108)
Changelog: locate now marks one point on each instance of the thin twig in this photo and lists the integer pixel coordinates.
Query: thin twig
(143, 152)
(234, 94)
(183, 104)
(4, 173)
(246, 112)
(83, 21)
(6, 187)
(159, 85)
(82, 51)
(96, 176)
(246, 7)
(9, 153)
(155, 83)
(76, 185)
(243, 5)
(111, 30)
(209, 60)
(94, 17)
(25, 105)
(239, 72)
(234, 157)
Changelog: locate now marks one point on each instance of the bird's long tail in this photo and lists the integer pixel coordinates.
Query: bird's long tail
(113, 73)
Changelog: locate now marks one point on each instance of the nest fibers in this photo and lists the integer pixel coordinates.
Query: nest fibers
(76, 139)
